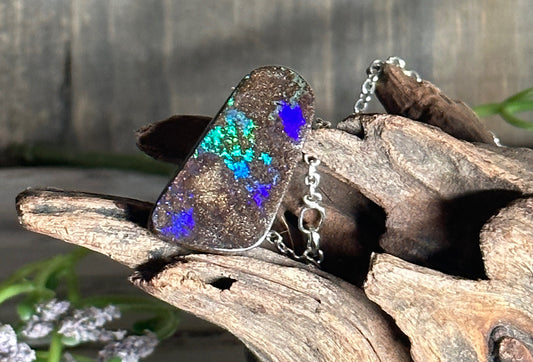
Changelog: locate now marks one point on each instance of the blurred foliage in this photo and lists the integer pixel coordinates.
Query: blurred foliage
(518, 103)
(57, 277)
(49, 155)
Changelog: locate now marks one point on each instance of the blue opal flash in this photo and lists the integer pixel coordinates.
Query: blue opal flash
(226, 195)
(292, 118)
(181, 224)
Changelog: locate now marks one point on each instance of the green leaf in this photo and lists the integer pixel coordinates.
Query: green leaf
(517, 103)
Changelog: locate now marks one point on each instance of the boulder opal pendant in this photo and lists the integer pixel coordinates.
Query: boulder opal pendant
(227, 194)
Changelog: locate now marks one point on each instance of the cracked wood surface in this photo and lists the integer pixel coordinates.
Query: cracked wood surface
(424, 102)
(282, 310)
(454, 319)
(436, 191)
(390, 184)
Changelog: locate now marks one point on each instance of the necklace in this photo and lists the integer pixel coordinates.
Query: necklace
(374, 72)
(227, 194)
(312, 253)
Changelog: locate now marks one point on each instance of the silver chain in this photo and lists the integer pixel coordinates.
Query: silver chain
(312, 252)
(373, 73)
(369, 85)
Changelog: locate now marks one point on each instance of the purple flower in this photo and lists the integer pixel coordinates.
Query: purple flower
(10, 349)
(130, 349)
(86, 325)
(42, 323)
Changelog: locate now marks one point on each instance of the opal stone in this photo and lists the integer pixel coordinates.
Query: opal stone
(227, 194)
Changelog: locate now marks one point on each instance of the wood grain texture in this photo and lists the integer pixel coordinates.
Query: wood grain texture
(435, 198)
(440, 198)
(422, 101)
(90, 219)
(446, 318)
(437, 191)
(451, 319)
(158, 139)
(354, 223)
(506, 244)
(97, 274)
(119, 77)
(281, 312)
(281, 309)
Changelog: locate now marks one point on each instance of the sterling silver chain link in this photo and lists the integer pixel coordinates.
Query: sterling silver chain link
(369, 85)
(373, 73)
(312, 253)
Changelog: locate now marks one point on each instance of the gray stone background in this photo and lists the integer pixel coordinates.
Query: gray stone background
(86, 73)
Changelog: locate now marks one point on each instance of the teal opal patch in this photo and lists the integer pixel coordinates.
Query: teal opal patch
(240, 170)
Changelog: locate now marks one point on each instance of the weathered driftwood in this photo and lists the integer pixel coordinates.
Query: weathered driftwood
(389, 184)
(158, 139)
(436, 190)
(430, 198)
(446, 233)
(422, 101)
(351, 216)
(282, 310)
(113, 226)
(385, 166)
(452, 319)
(431, 191)
(506, 244)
